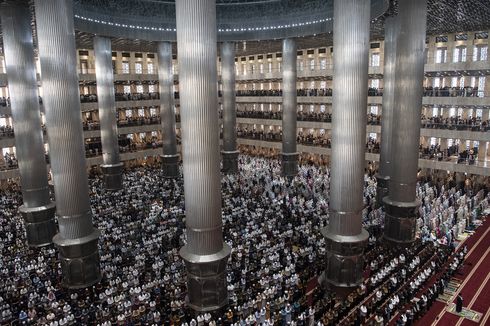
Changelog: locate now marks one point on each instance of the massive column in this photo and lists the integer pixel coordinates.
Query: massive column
(205, 253)
(77, 238)
(289, 108)
(345, 236)
(230, 153)
(112, 166)
(385, 159)
(170, 157)
(37, 210)
(401, 203)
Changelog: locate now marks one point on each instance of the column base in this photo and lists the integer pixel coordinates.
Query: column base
(382, 189)
(345, 261)
(289, 164)
(112, 176)
(40, 224)
(80, 260)
(206, 279)
(170, 166)
(400, 221)
(230, 162)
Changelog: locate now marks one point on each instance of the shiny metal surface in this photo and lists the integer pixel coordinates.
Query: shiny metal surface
(166, 83)
(56, 41)
(197, 52)
(228, 95)
(21, 72)
(106, 100)
(289, 107)
(112, 175)
(344, 235)
(351, 42)
(289, 100)
(230, 153)
(408, 99)
(392, 28)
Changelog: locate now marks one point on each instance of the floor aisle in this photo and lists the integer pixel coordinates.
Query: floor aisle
(473, 275)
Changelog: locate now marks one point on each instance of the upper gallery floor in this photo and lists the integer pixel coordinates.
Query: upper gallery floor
(449, 54)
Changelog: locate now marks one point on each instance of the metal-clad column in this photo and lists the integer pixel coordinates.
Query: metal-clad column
(289, 108)
(385, 160)
(230, 153)
(401, 205)
(77, 238)
(37, 210)
(205, 253)
(345, 236)
(170, 157)
(112, 166)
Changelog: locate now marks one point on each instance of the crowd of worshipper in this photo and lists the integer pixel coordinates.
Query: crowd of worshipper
(277, 115)
(6, 131)
(456, 122)
(372, 91)
(272, 225)
(447, 91)
(9, 161)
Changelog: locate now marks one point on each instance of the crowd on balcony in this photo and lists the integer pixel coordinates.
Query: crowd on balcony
(456, 123)
(309, 139)
(10, 161)
(278, 252)
(269, 135)
(6, 131)
(453, 91)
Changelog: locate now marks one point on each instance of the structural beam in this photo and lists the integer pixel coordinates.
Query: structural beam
(230, 153)
(289, 108)
(38, 209)
(345, 237)
(77, 238)
(170, 157)
(205, 253)
(401, 205)
(112, 167)
(392, 28)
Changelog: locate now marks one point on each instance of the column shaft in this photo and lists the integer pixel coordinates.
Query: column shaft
(37, 210)
(170, 157)
(205, 254)
(289, 108)
(401, 204)
(112, 166)
(345, 236)
(77, 238)
(385, 160)
(230, 153)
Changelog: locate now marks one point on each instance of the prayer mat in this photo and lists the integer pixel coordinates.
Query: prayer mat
(465, 313)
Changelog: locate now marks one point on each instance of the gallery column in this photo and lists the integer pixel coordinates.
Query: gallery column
(230, 153)
(77, 238)
(401, 205)
(289, 111)
(112, 166)
(345, 236)
(205, 253)
(170, 157)
(385, 159)
(37, 209)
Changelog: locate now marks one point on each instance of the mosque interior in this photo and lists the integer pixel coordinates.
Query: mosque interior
(244, 162)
